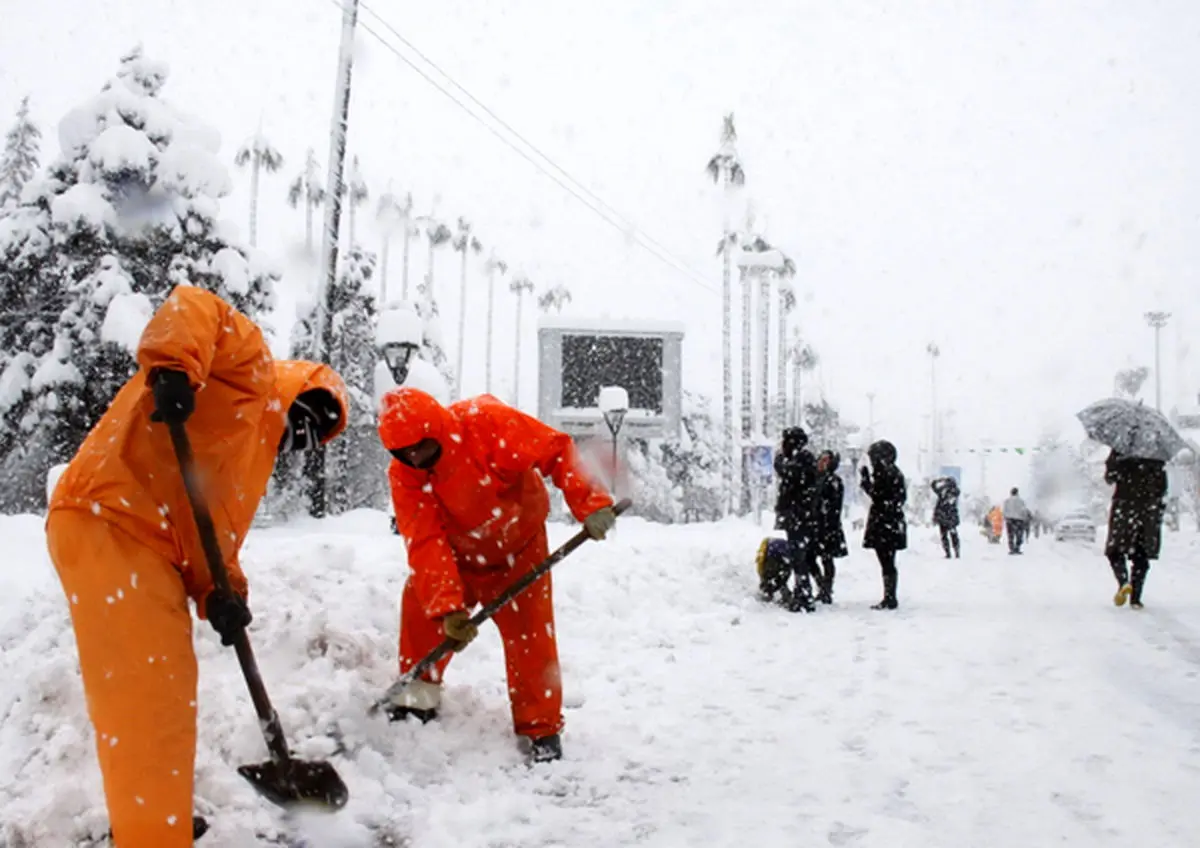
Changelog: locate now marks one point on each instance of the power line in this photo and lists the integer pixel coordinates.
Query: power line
(554, 172)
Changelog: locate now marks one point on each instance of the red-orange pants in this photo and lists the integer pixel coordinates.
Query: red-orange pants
(134, 633)
(526, 627)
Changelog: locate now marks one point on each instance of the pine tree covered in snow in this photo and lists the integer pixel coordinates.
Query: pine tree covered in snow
(19, 161)
(127, 212)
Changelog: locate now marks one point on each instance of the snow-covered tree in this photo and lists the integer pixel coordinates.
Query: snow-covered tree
(495, 266)
(725, 169)
(804, 359)
(693, 463)
(19, 160)
(555, 297)
(466, 244)
(355, 193)
(394, 214)
(436, 235)
(127, 212)
(1129, 381)
(260, 156)
(520, 286)
(307, 188)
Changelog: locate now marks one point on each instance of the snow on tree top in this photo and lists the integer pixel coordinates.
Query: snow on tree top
(399, 325)
(121, 148)
(231, 266)
(602, 325)
(613, 398)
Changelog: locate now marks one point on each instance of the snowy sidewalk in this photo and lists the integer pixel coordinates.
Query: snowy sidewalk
(1007, 703)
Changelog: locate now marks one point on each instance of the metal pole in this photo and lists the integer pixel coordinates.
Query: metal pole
(614, 466)
(1157, 320)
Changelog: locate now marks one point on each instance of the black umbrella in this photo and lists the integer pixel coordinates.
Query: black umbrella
(1132, 429)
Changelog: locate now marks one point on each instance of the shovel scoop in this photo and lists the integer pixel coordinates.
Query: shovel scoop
(298, 783)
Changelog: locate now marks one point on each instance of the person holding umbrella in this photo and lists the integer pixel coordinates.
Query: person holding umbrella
(945, 513)
(1135, 521)
(1142, 442)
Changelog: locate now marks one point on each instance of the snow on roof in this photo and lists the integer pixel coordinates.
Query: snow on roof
(612, 326)
(83, 201)
(125, 319)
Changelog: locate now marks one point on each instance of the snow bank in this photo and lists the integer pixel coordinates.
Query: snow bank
(987, 711)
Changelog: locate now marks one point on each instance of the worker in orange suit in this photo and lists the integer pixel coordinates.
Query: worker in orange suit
(122, 537)
(471, 505)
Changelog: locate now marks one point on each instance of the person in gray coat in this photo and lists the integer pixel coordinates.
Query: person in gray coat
(1016, 520)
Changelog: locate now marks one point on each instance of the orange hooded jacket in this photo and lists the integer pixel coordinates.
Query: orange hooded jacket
(126, 470)
(484, 500)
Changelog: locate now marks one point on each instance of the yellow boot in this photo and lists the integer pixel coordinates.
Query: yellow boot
(1122, 594)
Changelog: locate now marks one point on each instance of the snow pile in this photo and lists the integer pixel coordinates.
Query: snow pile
(987, 711)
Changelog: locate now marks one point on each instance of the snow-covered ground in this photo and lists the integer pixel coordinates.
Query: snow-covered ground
(1008, 703)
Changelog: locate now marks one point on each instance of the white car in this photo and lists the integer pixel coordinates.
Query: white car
(1075, 525)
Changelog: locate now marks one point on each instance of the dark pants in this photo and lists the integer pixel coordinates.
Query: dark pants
(949, 539)
(803, 555)
(1016, 534)
(891, 577)
(1141, 567)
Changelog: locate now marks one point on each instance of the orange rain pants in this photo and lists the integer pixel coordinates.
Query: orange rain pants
(134, 632)
(526, 627)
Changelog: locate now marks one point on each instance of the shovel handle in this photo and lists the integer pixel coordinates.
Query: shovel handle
(517, 587)
(267, 717)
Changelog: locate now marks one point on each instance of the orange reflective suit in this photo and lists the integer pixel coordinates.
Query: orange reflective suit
(476, 522)
(122, 538)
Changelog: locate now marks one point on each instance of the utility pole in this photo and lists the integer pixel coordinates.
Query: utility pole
(315, 462)
(1157, 320)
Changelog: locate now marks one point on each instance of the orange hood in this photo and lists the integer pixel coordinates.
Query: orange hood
(407, 415)
(294, 377)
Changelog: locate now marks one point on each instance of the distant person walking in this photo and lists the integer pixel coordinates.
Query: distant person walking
(887, 530)
(945, 513)
(1016, 520)
(1135, 521)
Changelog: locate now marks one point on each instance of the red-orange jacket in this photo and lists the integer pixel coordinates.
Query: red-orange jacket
(484, 499)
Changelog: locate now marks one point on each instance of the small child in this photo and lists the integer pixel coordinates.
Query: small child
(777, 561)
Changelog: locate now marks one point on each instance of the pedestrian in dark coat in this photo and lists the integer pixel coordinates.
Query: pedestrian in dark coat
(1135, 520)
(831, 539)
(887, 530)
(796, 506)
(945, 513)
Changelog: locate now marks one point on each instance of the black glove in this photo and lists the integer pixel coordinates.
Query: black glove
(228, 614)
(174, 398)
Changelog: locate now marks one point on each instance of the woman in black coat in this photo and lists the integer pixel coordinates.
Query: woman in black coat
(795, 507)
(945, 513)
(831, 540)
(1135, 521)
(887, 529)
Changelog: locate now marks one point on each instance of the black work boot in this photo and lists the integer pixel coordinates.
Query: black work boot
(546, 749)
(1139, 581)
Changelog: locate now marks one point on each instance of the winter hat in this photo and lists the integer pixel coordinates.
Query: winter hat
(794, 438)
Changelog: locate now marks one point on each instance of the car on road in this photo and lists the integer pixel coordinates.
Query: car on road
(1075, 525)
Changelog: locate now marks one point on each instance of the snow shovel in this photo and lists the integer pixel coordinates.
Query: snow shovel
(518, 586)
(282, 780)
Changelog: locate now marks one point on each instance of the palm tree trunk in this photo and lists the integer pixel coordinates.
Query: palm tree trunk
(383, 269)
(727, 465)
(797, 390)
(254, 168)
(491, 308)
(349, 222)
(517, 356)
(462, 326)
(404, 263)
(308, 216)
(429, 280)
(747, 381)
(764, 330)
(781, 366)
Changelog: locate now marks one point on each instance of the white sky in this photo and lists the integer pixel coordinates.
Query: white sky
(1017, 180)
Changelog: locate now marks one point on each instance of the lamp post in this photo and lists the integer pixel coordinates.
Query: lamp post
(1157, 320)
(614, 403)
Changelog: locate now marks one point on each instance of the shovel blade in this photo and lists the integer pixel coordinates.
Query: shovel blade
(295, 783)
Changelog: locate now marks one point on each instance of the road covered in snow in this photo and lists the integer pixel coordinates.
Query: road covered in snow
(1007, 702)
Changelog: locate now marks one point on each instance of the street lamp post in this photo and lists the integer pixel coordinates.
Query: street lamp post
(614, 403)
(1157, 320)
